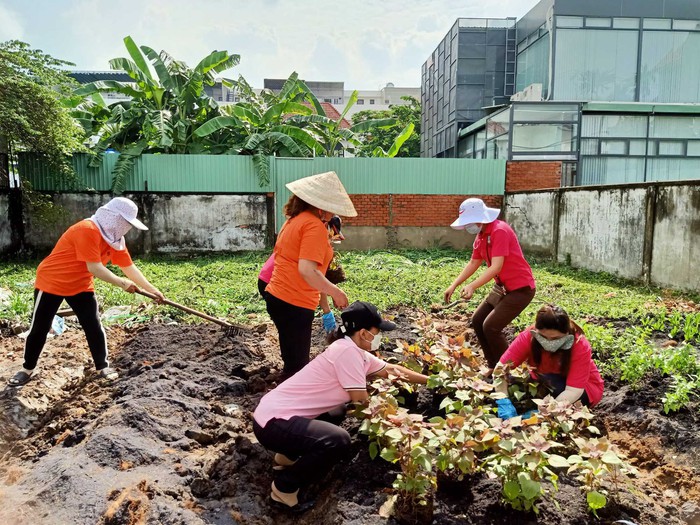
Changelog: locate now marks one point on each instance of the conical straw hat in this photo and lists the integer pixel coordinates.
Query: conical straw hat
(325, 192)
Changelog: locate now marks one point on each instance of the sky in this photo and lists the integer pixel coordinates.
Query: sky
(363, 43)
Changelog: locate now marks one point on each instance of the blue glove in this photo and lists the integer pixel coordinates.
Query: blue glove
(529, 414)
(329, 322)
(506, 410)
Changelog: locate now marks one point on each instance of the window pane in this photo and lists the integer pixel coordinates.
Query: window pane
(545, 112)
(672, 169)
(533, 66)
(498, 124)
(670, 148)
(686, 25)
(569, 21)
(613, 147)
(675, 127)
(589, 146)
(657, 23)
(597, 22)
(665, 74)
(595, 64)
(693, 148)
(610, 170)
(626, 23)
(638, 147)
(613, 126)
(539, 138)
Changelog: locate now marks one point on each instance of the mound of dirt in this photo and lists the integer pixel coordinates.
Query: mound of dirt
(170, 442)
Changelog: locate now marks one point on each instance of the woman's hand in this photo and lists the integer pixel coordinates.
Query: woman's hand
(159, 295)
(128, 286)
(448, 293)
(340, 300)
(467, 292)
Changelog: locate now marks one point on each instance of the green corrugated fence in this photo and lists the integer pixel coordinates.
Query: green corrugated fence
(236, 174)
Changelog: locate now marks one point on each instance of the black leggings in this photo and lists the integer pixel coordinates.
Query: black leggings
(557, 382)
(294, 327)
(85, 307)
(316, 445)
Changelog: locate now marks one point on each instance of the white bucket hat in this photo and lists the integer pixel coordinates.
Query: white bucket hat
(472, 211)
(127, 209)
(325, 192)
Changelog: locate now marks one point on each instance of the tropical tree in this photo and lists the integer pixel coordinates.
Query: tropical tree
(162, 112)
(382, 141)
(32, 117)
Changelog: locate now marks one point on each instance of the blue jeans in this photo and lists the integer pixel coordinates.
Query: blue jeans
(557, 382)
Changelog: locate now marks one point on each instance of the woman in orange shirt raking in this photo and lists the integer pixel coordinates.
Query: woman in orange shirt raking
(68, 273)
(302, 255)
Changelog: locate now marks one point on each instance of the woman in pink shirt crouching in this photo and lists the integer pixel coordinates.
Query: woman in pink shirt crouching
(560, 352)
(286, 418)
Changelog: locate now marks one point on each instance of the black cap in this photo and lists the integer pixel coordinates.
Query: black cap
(361, 315)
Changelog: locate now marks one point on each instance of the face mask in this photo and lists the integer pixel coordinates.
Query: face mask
(473, 228)
(375, 343)
(552, 345)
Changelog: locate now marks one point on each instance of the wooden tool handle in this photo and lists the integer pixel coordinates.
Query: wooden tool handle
(185, 308)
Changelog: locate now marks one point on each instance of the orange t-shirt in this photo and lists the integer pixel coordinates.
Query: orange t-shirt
(64, 272)
(303, 237)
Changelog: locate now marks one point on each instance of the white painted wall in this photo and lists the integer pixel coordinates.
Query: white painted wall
(676, 252)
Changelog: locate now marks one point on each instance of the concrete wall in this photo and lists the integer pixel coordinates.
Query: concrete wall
(5, 226)
(600, 230)
(380, 237)
(532, 216)
(177, 224)
(676, 240)
(648, 232)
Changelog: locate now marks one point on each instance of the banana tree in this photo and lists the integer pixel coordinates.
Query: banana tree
(261, 125)
(396, 145)
(167, 102)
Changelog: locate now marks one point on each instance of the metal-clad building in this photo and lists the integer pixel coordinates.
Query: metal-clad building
(473, 67)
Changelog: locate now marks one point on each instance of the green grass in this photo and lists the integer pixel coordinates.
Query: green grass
(622, 316)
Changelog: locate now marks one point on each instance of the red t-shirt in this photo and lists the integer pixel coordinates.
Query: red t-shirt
(302, 237)
(497, 239)
(64, 272)
(583, 372)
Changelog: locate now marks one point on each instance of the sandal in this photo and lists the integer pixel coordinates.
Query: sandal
(21, 378)
(110, 374)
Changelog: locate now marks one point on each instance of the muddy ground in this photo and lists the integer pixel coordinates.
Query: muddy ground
(170, 442)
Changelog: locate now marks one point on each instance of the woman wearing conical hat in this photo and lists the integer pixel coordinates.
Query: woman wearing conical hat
(302, 255)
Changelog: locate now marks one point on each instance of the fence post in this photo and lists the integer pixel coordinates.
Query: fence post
(555, 224)
(650, 199)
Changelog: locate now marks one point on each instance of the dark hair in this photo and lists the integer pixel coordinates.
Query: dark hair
(295, 206)
(338, 334)
(551, 317)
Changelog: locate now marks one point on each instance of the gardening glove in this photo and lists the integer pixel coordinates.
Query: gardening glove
(506, 410)
(329, 322)
(530, 413)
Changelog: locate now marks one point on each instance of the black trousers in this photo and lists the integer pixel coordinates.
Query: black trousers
(488, 322)
(316, 445)
(294, 327)
(262, 285)
(557, 382)
(85, 307)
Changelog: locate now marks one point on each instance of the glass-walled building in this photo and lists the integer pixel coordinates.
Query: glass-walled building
(473, 67)
(600, 142)
(610, 87)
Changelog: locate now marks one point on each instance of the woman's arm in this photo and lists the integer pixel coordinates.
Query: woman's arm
(491, 272)
(133, 273)
(325, 307)
(570, 395)
(402, 372)
(103, 273)
(469, 269)
(359, 397)
(312, 275)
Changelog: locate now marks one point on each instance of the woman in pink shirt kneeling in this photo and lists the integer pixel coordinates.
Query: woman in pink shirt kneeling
(285, 420)
(560, 352)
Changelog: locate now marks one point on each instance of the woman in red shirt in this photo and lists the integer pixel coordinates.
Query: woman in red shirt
(68, 273)
(560, 352)
(514, 288)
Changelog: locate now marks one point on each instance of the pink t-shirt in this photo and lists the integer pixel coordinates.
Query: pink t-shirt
(583, 372)
(266, 271)
(497, 239)
(322, 385)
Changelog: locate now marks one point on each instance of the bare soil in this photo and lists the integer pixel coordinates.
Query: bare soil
(171, 442)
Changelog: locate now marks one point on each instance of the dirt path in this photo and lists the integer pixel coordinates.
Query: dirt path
(170, 442)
